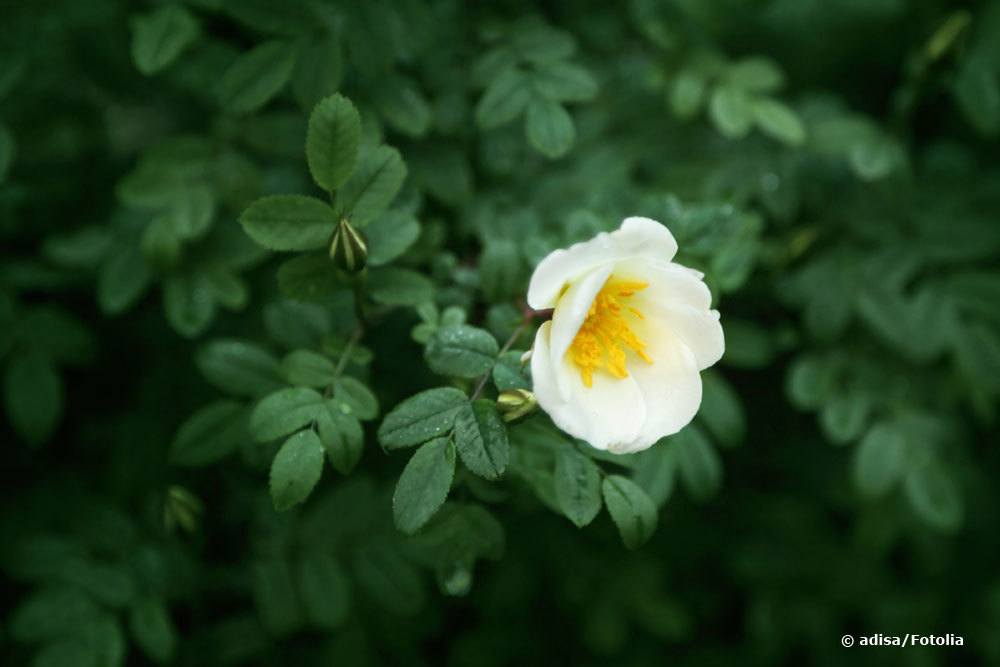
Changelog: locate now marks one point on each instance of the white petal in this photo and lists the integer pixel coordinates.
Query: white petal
(644, 237)
(698, 329)
(669, 283)
(573, 306)
(607, 415)
(671, 387)
(565, 266)
(637, 238)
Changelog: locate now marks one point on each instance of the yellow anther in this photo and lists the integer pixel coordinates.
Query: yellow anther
(605, 335)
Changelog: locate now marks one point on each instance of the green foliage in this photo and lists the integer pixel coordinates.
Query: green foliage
(461, 351)
(631, 509)
(210, 434)
(159, 37)
(185, 345)
(256, 76)
(429, 414)
(289, 222)
(481, 439)
(332, 141)
(578, 486)
(296, 469)
(424, 484)
(372, 186)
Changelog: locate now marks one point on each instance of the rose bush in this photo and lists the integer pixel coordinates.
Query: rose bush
(269, 272)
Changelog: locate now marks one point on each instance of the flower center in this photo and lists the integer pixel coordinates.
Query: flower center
(605, 335)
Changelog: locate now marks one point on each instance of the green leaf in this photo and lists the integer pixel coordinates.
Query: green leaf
(389, 236)
(324, 589)
(578, 486)
(399, 287)
(318, 72)
(687, 94)
(332, 141)
(879, 460)
(564, 82)
(112, 585)
(721, 410)
(874, 158)
(549, 128)
(403, 106)
(188, 310)
(424, 485)
(305, 368)
(429, 414)
(225, 287)
(698, 462)
(509, 373)
(894, 317)
(934, 496)
(845, 416)
(779, 121)
(122, 280)
(159, 37)
(357, 396)
(239, 367)
(389, 579)
(55, 333)
(103, 633)
(33, 396)
(192, 212)
(541, 43)
(481, 439)
(70, 652)
(161, 245)
(633, 512)
(80, 248)
(150, 624)
(501, 273)
(289, 222)
(341, 435)
(977, 91)
(210, 434)
(656, 471)
(273, 587)
(731, 111)
(461, 351)
(461, 532)
(504, 100)
(285, 411)
(757, 75)
(50, 612)
(296, 469)
(372, 186)
(309, 277)
(255, 77)
(810, 381)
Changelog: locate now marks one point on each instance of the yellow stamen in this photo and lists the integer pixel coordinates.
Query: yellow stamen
(605, 335)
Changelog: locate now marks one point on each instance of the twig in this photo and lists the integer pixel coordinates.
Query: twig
(506, 346)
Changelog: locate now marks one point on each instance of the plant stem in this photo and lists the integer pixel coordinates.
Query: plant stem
(346, 354)
(506, 346)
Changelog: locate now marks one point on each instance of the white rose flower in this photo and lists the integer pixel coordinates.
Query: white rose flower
(618, 365)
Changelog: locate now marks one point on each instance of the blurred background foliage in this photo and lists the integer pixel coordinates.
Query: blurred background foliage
(830, 165)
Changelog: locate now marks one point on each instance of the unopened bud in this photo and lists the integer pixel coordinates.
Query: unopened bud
(182, 509)
(347, 249)
(515, 403)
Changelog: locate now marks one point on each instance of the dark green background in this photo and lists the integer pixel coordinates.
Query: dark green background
(853, 253)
